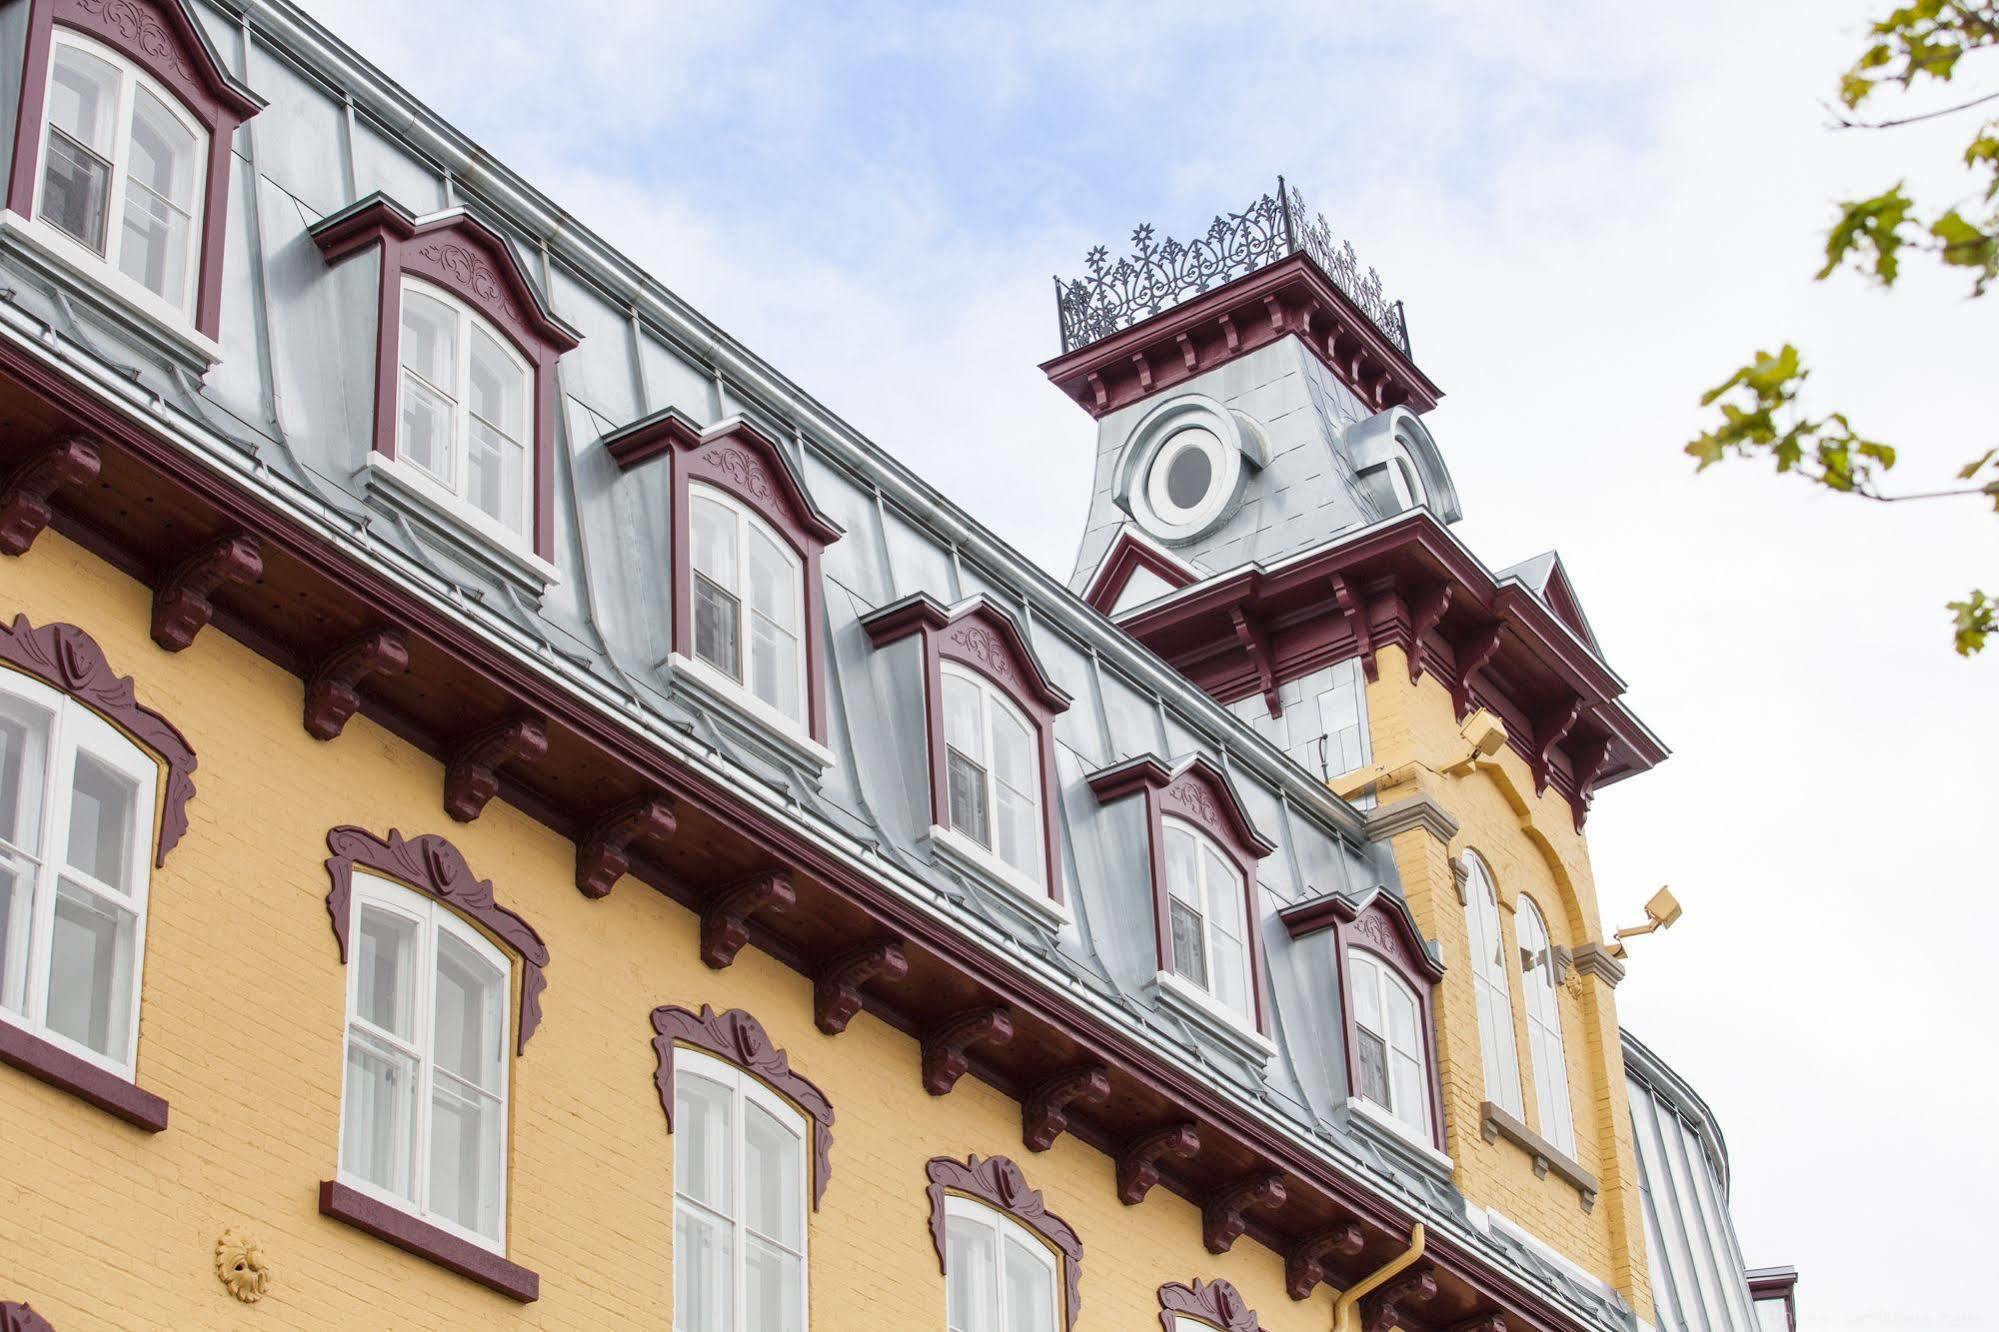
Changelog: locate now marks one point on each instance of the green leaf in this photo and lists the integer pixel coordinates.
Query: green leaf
(1869, 224)
(1972, 620)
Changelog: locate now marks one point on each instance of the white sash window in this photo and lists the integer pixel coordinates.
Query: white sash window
(1392, 1057)
(1208, 905)
(467, 409)
(993, 765)
(749, 601)
(1489, 982)
(1544, 1029)
(999, 1276)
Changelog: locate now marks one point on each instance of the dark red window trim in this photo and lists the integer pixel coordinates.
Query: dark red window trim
(736, 458)
(460, 253)
(430, 864)
(998, 1183)
(1194, 790)
(18, 1317)
(166, 42)
(1379, 922)
(395, 1226)
(81, 1078)
(737, 1038)
(1216, 1303)
(981, 637)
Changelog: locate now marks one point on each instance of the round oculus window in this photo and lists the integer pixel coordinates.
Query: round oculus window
(1184, 482)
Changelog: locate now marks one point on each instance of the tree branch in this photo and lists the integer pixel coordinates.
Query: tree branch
(1845, 122)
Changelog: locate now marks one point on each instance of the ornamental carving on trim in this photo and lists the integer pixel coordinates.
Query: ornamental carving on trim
(1374, 927)
(738, 1038)
(985, 647)
(1214, 1302)
(1198, 802)
(70, 660)
(465, 268)
(17, 1317)
(430, 864)
(240, 1263)
(998, 1183)
(744, 473)
(141, 30)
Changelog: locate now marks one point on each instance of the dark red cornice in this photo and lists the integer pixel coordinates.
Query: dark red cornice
(1291, 297)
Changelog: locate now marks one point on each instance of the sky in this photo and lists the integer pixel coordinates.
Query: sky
(1592, 213)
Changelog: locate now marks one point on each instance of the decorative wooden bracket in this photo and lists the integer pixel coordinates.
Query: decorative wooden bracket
(1356, 617)
(836, 994)
(603, 854)
(1222, 1220)
(1388, 1307)
(1044, 1115)
(1138, 1164)
(24, 500)
(472, 777)
(944, 1048)
(1305, 1265)
(1425, 612)
(1589, 766)
(1229, 334)
(1254, 643)
(1473, 652)
(181, 603)
(1144, 368)
(725, 922)
(1550, 729)
(332, 691)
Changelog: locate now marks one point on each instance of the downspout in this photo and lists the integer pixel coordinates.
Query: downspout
(1346, 1309)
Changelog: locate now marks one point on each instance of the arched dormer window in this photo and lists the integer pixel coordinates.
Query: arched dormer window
(121, 160)
(748, 588)
(1494, 989)
(81, 829)
(993, 772)
(1544, 1028)
(1390, 1052)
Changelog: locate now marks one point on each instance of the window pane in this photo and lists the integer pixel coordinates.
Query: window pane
(1225, 892)
(470, 1034)
(703, 1138)
(964, 718)
(430, 339)
(385, 971)
(1373, 1068)
(24, 738)
(773, 1196)
(971, 1276)
(496, 476)
(378, 1115)
(774, 659)
(969, 813)
(83, 98)
(498, 392)
(717, 628)
(90, 971)
(1182, 878)
(1410, 1099)
(76, 190)
(1030, 1290)
(101, 807)
(1015, 760)
(1402, 1015)
(1190, 949)
(1019, 819)
(159, 198)
(163, 157)
(17, 897)
(1366, 983)
(714, 542)
(76, 179)
(773, 582)
(465, 1156)
(1231, 973)
(426, 429)
(770, 1288)
(703, 1273)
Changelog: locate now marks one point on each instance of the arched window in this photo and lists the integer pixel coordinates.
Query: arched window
(749, 601)
(993, 762)
(1392, 1056)
(740, 1185)
(76, 849)
(1208, 902)
(424, 1107)
(999, 1276)
(1494, 990)
(123, 169)
(1544, 1029)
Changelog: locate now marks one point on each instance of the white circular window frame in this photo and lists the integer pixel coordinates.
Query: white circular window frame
(1172, 429)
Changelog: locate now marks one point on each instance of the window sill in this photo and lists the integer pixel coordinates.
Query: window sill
(1496, 1122)
(82, 1079)
(718, 690)
(109, 291)
(406, 489)
(395, 1226)
(1406, 1136)
(1223, 1027)
(962, 853)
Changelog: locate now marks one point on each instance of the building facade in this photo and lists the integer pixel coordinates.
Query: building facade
(511, 813)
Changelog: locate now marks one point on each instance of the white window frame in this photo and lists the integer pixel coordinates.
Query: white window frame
(433, 918)
(747, 520)
(1237, 892)
(75, 729)
(746, 1089)
(960, 1210)
(991, 698)
(130, 77)
(1421, 1126)
(1492, 989)
(453, 495)
(1544, 1030)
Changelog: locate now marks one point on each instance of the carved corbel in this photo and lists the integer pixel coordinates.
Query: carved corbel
(472, 778)
(1144, 368)
(181, 603)
(1223, 1219)
(1389, 1307)
(725, 922)
(1356, 616)
(836, 994)
(1473, 652)
(944, 1060)
(1424, 613)
(1275, 308)
(1549, 731)
(333, 690)
(1305, 1265)
(1138, 1164)
(1229, 335)
(24, 500)
(603, 854)
(1253, 642)
(1188, 355)
(1589, 766)
(1044, 1115)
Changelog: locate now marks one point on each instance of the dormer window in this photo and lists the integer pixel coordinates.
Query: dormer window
(1207, 906)
(994, 771)
(749, 601)
(467, 404)
(1390, 1052)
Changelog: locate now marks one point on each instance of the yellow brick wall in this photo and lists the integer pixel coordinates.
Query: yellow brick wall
(104, 1226)
(1533, 850)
